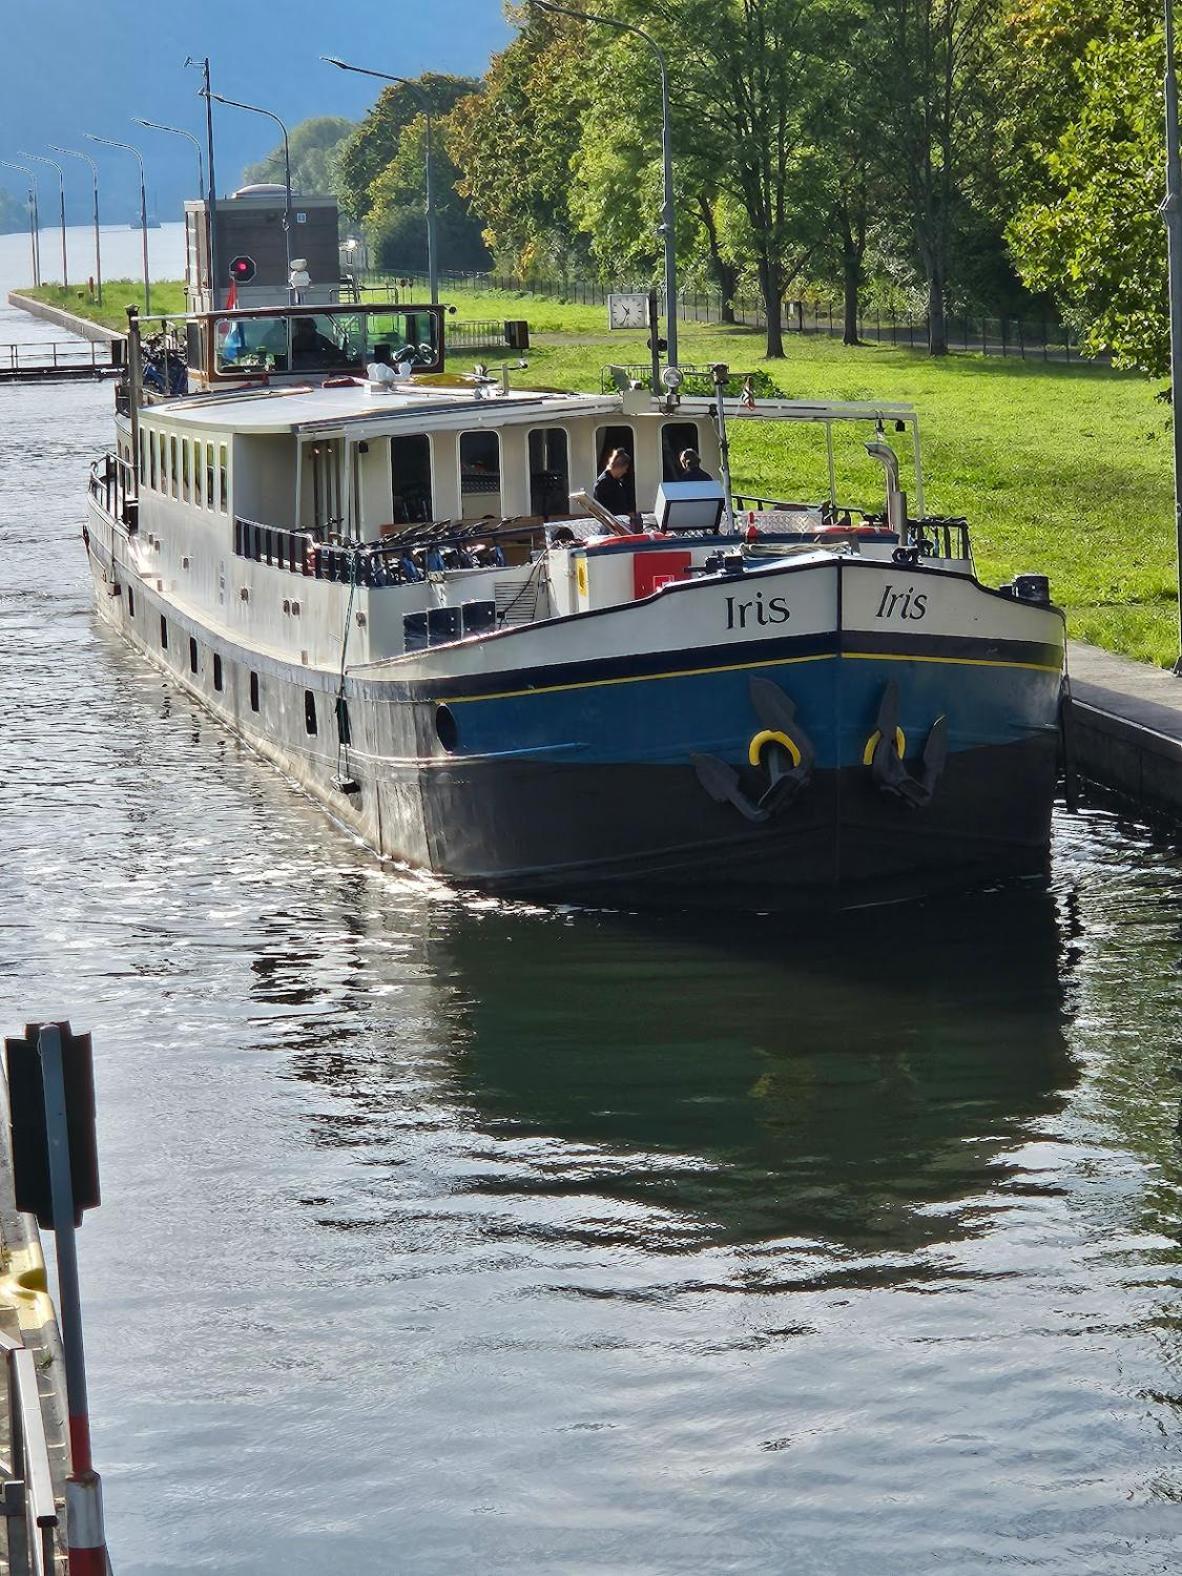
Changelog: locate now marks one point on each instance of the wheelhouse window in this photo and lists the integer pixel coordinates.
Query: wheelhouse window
(323, 341)
(410, 470)
(549, 471)
(676, 437)
(480, 475)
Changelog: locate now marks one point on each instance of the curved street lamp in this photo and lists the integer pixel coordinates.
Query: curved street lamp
(270, 114)
(432, 246)
(98, 254)
(34, 218)
(110, 142)
(61, 186)
(178, 131)
(667, 227)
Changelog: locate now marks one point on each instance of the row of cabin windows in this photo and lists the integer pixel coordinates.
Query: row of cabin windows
(188, 469)
(549, 468)
(311, 724)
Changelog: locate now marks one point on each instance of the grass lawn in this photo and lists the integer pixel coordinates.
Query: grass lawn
(168, 297)
(1061, 469)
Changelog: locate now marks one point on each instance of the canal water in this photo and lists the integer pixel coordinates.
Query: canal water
(441, 1235)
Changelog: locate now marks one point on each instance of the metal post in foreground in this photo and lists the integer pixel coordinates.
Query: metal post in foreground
(98, 251)
(128, 147)
(667, 228)
(85, 1536)
(719, 374)
(1171, 211)
(432, 239)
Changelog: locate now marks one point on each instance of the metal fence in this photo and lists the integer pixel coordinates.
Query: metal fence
(28, 1505)
(1041, 338)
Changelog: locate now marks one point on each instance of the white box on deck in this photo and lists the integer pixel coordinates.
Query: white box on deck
(689, 506)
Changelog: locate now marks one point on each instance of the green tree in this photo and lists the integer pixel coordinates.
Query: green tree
(377, 141)
(397, 216)
(14, 214)
(314, 145)
(1093, 237)
(514, 142)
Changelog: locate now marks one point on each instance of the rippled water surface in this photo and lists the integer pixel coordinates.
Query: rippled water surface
(440, 1236)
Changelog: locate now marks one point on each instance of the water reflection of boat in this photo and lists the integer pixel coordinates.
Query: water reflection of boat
(851, 1083)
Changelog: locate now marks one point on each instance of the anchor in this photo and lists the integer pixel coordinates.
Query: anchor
(782, 748)
(884, 754)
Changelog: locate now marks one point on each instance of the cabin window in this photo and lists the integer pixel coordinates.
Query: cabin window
(309, 711)
(549, 471)
(254, 692)
(174, 470)
(410, 470)
(223, 479)
(677, 436)
(608, 439)
(210, 494)
(480, 475)
(186, 469)
(162, 461)
(252, 344)
(152, 460)
(198, 477)
(143, 473)
(192, 655)
(217, 671)
(163, 633)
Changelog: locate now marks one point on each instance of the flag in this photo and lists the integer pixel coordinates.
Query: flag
(232, 295)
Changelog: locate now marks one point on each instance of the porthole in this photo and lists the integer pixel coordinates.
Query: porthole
(130, 603)
(344, 732)
(254, 692)
(310, 711)
(163, 633)
(217, 671)
(192, 655)
(446, 728)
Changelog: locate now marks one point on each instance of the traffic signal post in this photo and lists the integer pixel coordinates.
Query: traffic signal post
(55, 1171)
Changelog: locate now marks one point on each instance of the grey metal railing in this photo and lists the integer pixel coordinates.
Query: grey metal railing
(28, 1504)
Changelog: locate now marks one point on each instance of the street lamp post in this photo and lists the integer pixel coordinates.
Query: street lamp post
(34, 218)
(110, 142)
(255, 110)
(179, 131)
(1171, 210)
(432, 246)
(667, 227)
(74, 153)
(61, 188)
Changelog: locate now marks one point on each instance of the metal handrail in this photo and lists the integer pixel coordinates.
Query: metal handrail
(28, 1498)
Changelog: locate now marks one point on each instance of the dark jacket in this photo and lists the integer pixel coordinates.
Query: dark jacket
(694, 474)
(617, 494)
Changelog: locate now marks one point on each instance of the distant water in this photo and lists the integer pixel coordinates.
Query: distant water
(443, 1236)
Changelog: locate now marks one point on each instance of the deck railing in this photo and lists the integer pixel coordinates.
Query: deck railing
(113, 485)
(28, 1503)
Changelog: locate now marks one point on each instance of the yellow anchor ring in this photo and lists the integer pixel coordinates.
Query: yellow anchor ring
(873, 741)
(769, 736)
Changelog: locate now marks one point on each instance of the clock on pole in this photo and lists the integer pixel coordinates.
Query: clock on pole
(627, 310)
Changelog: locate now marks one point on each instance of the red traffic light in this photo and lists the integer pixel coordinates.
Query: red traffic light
(242, 270)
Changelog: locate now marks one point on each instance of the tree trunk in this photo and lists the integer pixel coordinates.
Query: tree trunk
(726, 275)
(937, 325)
(772, 292)
(852, 270)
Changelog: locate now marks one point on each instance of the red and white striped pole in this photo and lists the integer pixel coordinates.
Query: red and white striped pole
(86, 1541)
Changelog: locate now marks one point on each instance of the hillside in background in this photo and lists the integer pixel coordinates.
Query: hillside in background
(13, 214)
